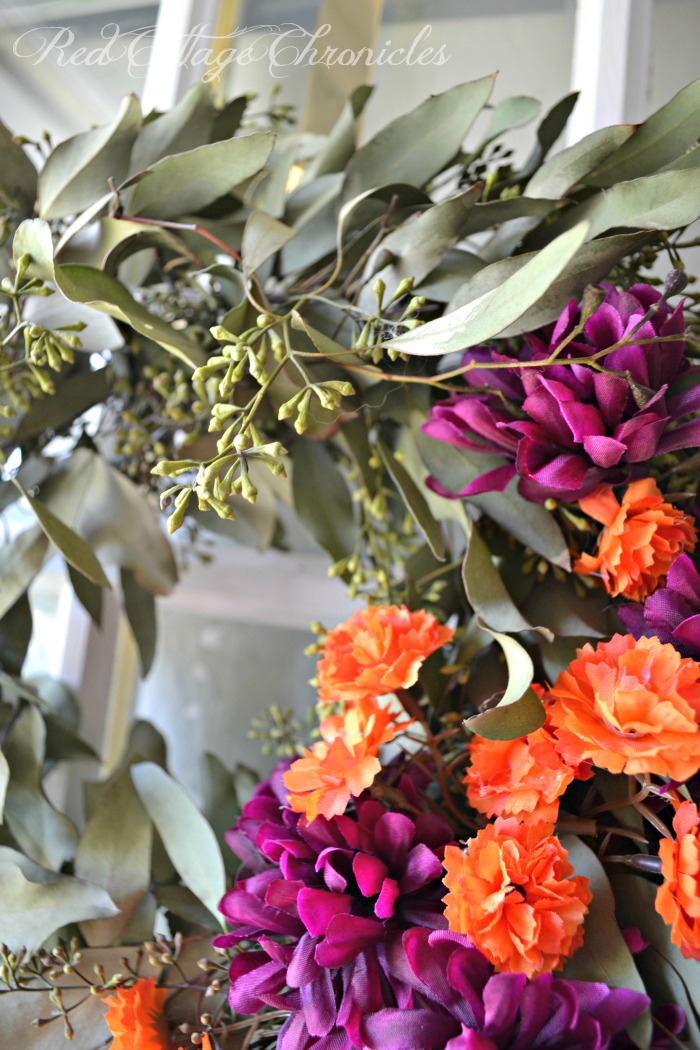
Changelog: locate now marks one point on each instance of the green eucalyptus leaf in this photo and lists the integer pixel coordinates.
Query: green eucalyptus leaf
(115, 853)
(186, 183)
(221, 806)
(4, 781)
(415, 146)
(604, 956)
(592, 262)
(182, 902)
(573, 164)
(322, 499)
(184, 127)
(113, 516)
(263, 237)
(32, 911)
(62, 744)
(188, 839)
(33, 238)
(549, 130)
(529, 523)
(79, 168)
(45, 835)
(75, 394)
(72, 546)
(20, 561)
(340, 145)
(228, 120)
(18, 179)
(15, 636)
(519, 711)
(414, 500)
(668, 976)
(421, 243)
(486, 591)
(89, 594)
(494, 311)
(140, 609)
(509, 113)
(556, 604)
(84, 284)
(663, 137)
(658, 202)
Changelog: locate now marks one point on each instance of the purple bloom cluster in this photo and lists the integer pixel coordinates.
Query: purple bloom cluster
(461, 1004)
(672, 612)
(321, 900)
(566, 428)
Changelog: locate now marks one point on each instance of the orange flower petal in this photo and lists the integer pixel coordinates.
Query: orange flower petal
(513, 893)
(135, 1017)
(678, 899)
(642, 538)
(629, 706)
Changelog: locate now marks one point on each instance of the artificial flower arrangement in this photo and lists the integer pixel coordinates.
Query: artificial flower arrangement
(469, 381)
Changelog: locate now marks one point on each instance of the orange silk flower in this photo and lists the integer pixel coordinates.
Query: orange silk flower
(378, 650)
(678, 899)
(513, 893)
(642, 538)
(344, 763)
(630, 707)
(524, 777)
(136, 1019)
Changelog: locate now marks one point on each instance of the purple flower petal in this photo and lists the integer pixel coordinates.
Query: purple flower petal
(347, 936)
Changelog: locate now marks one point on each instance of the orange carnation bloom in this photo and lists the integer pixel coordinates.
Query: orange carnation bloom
(678, 899)
(630, 707)
(344, 763)
(136, 1019)
(524, 777)
(642, 538)
(378, 650)
(512, 894)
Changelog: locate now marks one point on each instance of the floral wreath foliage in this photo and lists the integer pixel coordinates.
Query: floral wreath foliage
(469, 380)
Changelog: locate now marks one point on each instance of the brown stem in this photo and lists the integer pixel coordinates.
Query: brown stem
(191, 227)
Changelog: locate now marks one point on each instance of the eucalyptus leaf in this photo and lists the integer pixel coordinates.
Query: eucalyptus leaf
(415, 146)
(79, 168)
(509, 113)
(591, 263)
(115, 853)
(184, 127)
(549, 130)
(84, 284)
(4, 781)
(15, 636)
(529, 523)
(186, 183)
(45, 835)
(89, 594)
(604, 956)
(421, 243)
(486, 591)
(571, 165)
(32, 911)
(228, 120)
(557, 605)
(664, 136)
(72, 546)
(658, 202)
(263, 237)
(494, 311)
(322, 499)
(414, 500)
(519, 711)
(668, 976)
(113, 516)
(75, 394)
(187, 837)
(221, 806)
(340, 144)
(140, 609)
(18, 179)
(20, 561)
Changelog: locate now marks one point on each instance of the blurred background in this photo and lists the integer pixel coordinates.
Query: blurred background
(232, 637)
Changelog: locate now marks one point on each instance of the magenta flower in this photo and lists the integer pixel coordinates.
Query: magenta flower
(459, 1003)
(564, 429)
(321, 901)
(672, 612)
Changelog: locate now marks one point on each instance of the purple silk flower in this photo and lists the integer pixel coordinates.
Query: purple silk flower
(461, 1004)
(672, 612)
(566, 428)
(321, 899)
